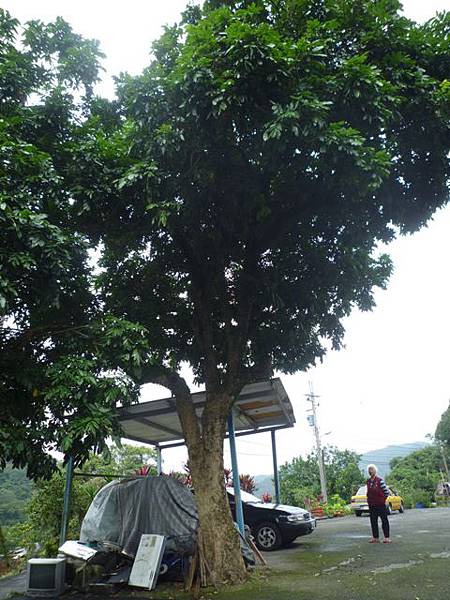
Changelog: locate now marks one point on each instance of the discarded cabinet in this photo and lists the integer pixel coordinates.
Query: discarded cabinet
(147, 563)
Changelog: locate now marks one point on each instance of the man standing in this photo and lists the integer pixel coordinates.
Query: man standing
(377, 494)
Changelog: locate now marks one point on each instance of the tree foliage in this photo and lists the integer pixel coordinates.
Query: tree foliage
(415, 476)
(443, 428)
(15, 492)
(300, 479)
(61, 361)
(264, 155)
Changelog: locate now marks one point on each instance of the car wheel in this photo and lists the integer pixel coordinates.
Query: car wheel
(389, 509)
(402, 508)
(267, 536)
(358, 513)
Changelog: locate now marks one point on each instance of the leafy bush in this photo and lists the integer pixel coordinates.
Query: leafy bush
(304, 496)
(416, 476)
(336, 506)
(418, 497)
(300, 478)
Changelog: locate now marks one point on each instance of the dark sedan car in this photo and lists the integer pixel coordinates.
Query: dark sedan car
(273, 525)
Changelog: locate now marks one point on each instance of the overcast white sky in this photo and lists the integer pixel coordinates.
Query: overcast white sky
(391, 383)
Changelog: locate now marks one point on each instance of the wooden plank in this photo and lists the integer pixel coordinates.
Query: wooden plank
(256, 404)
(266, 415)
(254, 547)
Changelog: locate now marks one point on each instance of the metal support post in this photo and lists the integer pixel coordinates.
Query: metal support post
(67, 497)
(158, 460)
(276, 476)
(236, 482)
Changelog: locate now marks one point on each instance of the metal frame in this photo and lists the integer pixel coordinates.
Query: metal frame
(237, 434)
(67, 498)
(143, 417)
(235, 469)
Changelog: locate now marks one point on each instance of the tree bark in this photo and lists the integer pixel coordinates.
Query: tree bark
(204, 440)
(220, 537)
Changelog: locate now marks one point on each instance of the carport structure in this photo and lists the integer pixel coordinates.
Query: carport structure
(261, 407)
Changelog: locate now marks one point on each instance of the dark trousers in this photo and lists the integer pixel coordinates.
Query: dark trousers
(375, 512)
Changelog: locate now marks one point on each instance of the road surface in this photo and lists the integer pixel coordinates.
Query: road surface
(336, 562)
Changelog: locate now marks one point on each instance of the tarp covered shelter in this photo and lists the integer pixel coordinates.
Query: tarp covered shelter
(262, 406)
(124, 510)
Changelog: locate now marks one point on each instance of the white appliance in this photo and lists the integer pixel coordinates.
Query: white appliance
(147, 563)
(46, 576)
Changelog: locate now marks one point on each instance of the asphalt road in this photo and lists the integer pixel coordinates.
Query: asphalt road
(336, 561)
(12, 585)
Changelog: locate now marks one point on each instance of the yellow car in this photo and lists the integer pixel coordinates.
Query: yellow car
(359, 501)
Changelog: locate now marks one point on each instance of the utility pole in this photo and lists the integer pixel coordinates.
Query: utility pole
(312, 420)
(444, 459)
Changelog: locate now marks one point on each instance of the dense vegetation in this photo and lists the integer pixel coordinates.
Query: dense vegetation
(15, 492)
(43, 511)
(238, 188)
(61, 361)
(442, 434)
(416, 476)
(300, 480)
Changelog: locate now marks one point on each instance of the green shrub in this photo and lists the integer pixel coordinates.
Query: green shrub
(303, 496)
(418, 496)
(336, 505)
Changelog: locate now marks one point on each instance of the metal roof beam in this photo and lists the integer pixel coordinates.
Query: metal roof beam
(158, 426)
(237, 434)
(155, 412)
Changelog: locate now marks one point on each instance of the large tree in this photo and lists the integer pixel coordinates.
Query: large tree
(239, 189)
(59, 357)
(442, 433)
(262, 157)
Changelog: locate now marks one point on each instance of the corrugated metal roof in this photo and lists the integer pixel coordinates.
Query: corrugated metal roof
(261, 406)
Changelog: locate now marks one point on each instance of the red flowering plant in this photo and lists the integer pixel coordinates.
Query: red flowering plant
(266, 497)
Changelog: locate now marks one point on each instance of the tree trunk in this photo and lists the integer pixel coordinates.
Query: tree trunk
(221, 540)
(204, 440)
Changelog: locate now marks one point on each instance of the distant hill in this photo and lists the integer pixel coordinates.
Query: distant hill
(264, 483)
(383, 456)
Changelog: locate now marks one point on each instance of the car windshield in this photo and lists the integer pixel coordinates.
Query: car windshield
(362, 491)
(245, 496)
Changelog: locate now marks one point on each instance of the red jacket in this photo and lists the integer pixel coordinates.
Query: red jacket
(377, 491)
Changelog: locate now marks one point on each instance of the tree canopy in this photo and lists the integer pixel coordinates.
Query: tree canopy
(237, 190)
(300, 478)
(443, 428)
(59, 357)
(264, 153)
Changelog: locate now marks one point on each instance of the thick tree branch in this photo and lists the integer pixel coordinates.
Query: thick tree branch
(177, 385)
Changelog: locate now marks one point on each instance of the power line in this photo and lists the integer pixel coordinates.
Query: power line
(252, 443)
